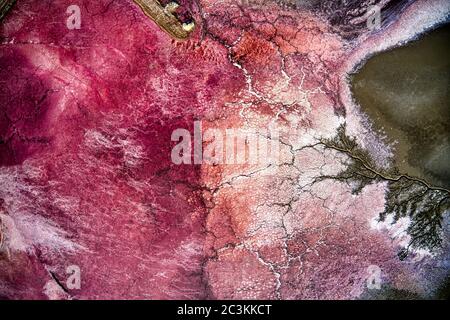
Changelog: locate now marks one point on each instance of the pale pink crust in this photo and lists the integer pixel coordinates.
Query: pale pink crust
(240, 275)
(316, 241)
(88, 117)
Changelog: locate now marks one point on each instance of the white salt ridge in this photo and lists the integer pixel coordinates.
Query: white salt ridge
(417, 19)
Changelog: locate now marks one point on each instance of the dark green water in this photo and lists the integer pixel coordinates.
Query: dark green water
(405, 92)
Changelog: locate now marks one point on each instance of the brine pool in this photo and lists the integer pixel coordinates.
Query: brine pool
(405, 92)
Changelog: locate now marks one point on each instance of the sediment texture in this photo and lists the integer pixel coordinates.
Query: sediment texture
(86, 177)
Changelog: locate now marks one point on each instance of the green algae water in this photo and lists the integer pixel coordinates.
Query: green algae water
(405, 92)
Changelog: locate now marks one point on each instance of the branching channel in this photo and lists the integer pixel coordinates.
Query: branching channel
(407, 196)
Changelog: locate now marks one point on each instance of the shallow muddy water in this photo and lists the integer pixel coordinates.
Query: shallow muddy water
(405, 92)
